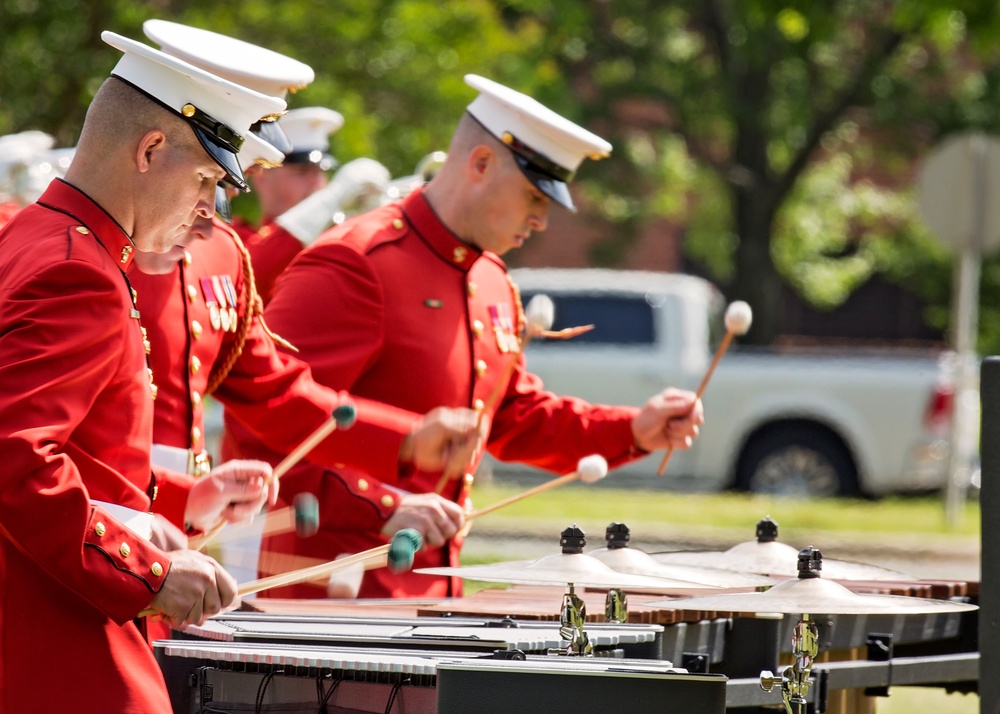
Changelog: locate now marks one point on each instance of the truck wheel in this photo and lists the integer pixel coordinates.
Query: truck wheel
(797, 460)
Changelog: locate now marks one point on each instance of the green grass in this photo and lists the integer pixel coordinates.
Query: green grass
(659, 514)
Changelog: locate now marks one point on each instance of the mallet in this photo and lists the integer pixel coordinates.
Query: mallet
(737, 319)
(539, 315)
(342, 417)
(398, 553)
(302, 517)
(590, 469)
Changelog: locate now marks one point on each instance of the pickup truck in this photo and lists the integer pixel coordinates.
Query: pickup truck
(846, 422)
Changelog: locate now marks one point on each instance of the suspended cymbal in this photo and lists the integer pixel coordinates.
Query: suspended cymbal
(638, 562)
(815, 596)
(778, 559)
(561, 569)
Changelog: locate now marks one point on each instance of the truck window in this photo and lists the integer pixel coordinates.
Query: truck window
(617, 319)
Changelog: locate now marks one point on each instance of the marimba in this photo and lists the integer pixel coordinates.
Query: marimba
(205, 676)
(474, 635)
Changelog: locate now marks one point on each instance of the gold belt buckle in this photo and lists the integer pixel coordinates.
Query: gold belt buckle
(199, 464)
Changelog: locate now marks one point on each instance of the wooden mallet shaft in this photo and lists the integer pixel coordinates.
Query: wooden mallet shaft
(404, 545)
(590, 469)
(541, 488)
(342, 417)
(738, 318)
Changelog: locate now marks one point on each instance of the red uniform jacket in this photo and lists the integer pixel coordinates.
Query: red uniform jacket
(272, 395)
(271, 248)
(75, 425)
(8, 210)
(391, 306)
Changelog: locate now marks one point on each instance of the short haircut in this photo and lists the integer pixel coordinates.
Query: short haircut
(120, 113)
(470, 133)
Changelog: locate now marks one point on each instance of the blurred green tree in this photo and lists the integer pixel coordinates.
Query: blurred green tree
(783, 135)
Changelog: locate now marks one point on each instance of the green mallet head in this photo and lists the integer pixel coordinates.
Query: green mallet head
(345, 415)
(306, 514)
(402, 548)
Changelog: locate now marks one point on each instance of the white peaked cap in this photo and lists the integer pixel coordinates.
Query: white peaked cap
(548, 147)
(255, 67)
(219, 111)
(308, 130)
(257, 151)
(249, 65)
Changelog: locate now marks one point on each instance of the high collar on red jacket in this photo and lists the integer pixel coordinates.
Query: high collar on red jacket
(437, 235)
(68, 199)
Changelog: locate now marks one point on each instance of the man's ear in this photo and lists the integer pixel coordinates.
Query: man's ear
(152, 143)
(481, 161)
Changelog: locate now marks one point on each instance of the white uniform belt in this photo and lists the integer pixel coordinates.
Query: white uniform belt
(185, 461)
(138, 522)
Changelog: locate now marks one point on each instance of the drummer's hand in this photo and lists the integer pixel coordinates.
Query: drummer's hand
(444, 440)
(669, 419)
(196, 587)
(234, 492)
(167, 536)
(436, 518)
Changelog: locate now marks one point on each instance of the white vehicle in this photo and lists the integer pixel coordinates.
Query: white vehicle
(799, 422)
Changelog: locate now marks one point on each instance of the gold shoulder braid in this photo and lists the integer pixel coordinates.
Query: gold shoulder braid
(563, 334)
(521, 321)
(254, 308)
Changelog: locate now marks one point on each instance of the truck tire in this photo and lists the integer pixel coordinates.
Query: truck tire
(804, 460)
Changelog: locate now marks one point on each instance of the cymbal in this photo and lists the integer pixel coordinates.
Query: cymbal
(638, 562)
(816, 596)
(562, 569)
(774, 558)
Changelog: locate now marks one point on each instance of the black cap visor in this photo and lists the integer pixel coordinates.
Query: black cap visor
(223, 209)
(554, 188)
(270, 132)
(224, 157)
(319, 158)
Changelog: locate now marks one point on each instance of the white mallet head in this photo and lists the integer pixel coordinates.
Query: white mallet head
(592, 468)
(738, 317)
(540, 313)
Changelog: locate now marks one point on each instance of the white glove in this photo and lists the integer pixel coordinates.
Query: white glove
(307, 219)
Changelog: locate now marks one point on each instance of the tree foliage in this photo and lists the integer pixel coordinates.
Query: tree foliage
(784, 136)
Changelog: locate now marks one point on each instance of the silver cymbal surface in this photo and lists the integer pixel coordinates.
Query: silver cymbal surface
(777, 559)
(815, 596)
(562, 569)
(633, 560)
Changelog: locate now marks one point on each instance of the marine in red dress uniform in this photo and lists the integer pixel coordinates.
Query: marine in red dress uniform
(225, 349)
(76, 398)
(443, 338)
(204, 339)
(75, 424)
(417, 317)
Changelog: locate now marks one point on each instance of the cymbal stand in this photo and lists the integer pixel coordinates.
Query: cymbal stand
(616, 606)
(571, 619)
(796, 679)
